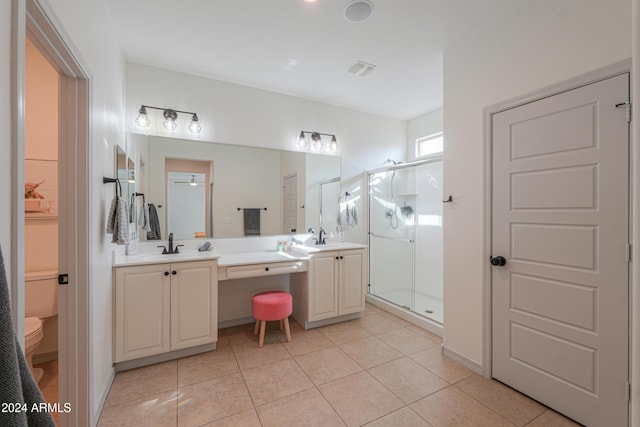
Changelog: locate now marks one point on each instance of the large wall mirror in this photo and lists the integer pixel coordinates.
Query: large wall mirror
(205, 189)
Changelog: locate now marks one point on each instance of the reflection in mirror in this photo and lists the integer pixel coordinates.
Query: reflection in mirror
(131, 188)
(241, 177)
(330, 204)
(188, 198)
(121, 171)
(186, 203)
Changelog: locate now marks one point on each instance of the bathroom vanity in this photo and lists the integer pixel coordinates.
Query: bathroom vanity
(168, 306)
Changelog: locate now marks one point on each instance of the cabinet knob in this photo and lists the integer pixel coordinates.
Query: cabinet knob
(266, 269)
(174, 272)
(166, 273)
(337, 257)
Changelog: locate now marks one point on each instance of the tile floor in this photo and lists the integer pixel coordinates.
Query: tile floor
(377, 371)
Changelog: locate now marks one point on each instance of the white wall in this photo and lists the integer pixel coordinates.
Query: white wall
(234, 114)
(88, 28)
(545, 43)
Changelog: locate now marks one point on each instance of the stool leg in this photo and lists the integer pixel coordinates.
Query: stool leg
(263, 326)
(281, 323)
(286, 329)
(255, 329)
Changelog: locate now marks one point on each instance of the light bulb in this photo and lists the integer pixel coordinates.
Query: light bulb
(317, 140)
(143, 120)
(334, 144)
(194, 126)
(302, 141)
(170, 117)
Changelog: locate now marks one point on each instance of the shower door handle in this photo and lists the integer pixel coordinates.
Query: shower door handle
(497, 261)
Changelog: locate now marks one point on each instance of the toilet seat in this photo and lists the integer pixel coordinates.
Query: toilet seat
(32, 330)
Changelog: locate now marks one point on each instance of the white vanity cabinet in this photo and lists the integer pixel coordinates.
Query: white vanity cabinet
(335, 288)
(160, 308)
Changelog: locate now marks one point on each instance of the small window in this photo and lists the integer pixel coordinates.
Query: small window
(431, 144)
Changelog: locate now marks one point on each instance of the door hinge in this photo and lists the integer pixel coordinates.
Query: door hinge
(628, 252)
(627, 107)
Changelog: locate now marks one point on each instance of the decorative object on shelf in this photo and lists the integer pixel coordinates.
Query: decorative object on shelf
(170, 116)
(317, 142)
(40, 188)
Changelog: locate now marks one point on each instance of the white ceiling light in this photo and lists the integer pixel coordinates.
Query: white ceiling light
(358, 10)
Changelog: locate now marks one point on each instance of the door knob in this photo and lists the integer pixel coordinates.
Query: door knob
(498, 261)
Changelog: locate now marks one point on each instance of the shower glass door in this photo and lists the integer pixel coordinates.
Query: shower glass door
(405, 236)
(392, 235)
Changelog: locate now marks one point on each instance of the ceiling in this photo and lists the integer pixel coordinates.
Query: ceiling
(304, 48)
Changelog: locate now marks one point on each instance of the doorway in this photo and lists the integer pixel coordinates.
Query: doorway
(41, 218)
(189, 187)
(32, 21)
(560, 233)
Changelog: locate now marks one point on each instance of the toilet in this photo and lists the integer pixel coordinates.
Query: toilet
(41, 302)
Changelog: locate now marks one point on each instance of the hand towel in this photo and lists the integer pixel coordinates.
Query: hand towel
(154, 232)
(118, 221)
(18, 385)
(251, 221)
(347, 214)
(143, 219)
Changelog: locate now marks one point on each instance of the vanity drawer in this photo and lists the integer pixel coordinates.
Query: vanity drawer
(265, 269)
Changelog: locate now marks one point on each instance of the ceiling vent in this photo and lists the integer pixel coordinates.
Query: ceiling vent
(358, 10)
(361, 69)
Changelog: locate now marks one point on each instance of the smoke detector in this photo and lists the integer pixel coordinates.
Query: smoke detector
(358, 10)
(361, 68)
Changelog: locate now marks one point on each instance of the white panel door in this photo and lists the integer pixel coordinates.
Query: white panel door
(351, 282)
(560, 219)
(142, 311)
(323, 286)
(194, 304)
(289, 204)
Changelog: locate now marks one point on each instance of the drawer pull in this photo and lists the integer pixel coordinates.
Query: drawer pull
(266, 269)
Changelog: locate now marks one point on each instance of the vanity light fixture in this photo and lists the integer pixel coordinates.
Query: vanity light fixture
(170, 118)
(317, 142)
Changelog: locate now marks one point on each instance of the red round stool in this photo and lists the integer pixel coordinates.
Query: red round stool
(270, 306)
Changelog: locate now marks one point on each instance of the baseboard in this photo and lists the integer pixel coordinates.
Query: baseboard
(408, 315)
(103, 399)
(235, 322)
(332, 320)
(462, 360)
(158, 358)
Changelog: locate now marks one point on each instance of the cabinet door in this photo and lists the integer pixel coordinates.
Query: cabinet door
(142, 311)
(323, 286)
(194, 304)
(352, 289)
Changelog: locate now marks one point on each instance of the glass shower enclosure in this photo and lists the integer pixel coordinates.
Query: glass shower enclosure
(405, 236)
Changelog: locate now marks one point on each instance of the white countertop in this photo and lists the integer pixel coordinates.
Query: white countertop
(158, 258)
(298, 253)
